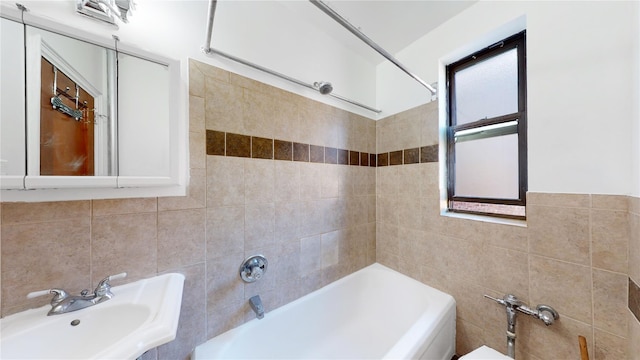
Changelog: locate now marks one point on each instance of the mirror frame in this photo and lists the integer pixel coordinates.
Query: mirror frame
(56, 188)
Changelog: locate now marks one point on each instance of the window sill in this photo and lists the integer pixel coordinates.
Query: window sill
(485, 218)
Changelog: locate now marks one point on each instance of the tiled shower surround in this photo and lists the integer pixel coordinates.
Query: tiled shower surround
(579, 253)
(318, 218)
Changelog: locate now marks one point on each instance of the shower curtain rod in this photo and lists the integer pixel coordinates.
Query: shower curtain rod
(207, 49)
(360, 35)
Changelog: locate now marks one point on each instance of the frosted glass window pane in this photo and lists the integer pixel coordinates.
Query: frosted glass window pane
(487, 89)
(488, 168)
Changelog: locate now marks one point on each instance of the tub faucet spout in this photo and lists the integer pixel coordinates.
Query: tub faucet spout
(256, 306)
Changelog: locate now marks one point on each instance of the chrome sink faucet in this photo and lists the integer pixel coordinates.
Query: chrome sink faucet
(62, 302)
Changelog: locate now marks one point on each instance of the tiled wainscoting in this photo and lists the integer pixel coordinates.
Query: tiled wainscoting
(283, 189)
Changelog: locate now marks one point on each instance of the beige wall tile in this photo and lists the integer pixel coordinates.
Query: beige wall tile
(472, 307)
(259, 111)
(225, 181)
(208, 71)
(196, 113)
(310, 181)
(38, 256)
(224, 107)
(565, 286)
(634, 205)
(387, 238)
(287, 221)
(259, 226)
(634, 247)
(330, 181)
(633, 337)
(250, 84)
(505, 236)
(560, 340)
(196, 194)
(371, 137)
(225, 230)
(559, 200)
(181, 238)
(287, 182)
(610, 292)
(259, 181)
(360, 129)
(387, 211)
(468, 337)
(608, 346)
(124, 206)
(610, 202)
(409, 211)
(196, 79)
(384, 135)
(461, 228)
(410, 180)
(224, 318)
(121, 243)
(14, 213)
(224, 286)
(285, 265)
(329, 248)
(311, 218)
(408, 130)
(506, 271)
(310, 255)
(610, 239)
(429, 123)
(192, 326)
(335, 214)
(316, 126)
(338, 130)
(286, 119)
(197, 149)
(561, 233)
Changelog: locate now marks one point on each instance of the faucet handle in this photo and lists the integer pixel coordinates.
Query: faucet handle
(104, 285)
(59, 294)
(499, 301)
(35, 294)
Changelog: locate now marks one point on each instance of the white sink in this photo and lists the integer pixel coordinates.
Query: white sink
(140, 316)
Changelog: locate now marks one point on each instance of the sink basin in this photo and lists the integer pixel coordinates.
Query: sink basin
(141, 315)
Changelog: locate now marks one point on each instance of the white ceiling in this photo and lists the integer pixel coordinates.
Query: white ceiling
(392, 24)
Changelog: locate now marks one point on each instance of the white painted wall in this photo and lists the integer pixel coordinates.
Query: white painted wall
(583, 96)
(582, 92)
(12, 140)
(269, 33)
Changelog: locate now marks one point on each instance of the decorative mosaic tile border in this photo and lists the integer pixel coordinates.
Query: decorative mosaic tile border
(237, 145)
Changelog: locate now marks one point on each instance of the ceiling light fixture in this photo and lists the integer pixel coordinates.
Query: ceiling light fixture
(106, 10)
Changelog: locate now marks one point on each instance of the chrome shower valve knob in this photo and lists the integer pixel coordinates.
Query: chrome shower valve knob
(253, 268)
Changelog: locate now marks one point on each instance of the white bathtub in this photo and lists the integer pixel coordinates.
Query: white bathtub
(374, 313)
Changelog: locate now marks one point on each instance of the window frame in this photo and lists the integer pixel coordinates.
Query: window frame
(518, 42)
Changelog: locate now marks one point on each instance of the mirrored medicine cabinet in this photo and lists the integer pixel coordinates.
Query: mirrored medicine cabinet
(86, 118)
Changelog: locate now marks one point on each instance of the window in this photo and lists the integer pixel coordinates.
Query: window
(487, 131)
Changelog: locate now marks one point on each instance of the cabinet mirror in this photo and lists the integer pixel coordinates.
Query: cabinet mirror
(78, 113)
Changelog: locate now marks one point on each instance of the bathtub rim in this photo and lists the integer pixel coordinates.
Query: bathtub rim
(401, 349)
